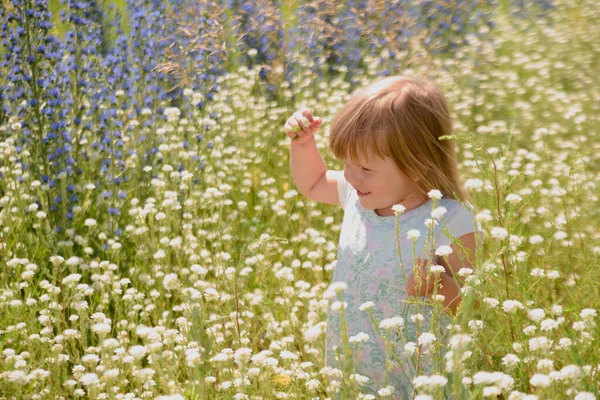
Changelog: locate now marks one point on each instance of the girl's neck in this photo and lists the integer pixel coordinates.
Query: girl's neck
(410, 202)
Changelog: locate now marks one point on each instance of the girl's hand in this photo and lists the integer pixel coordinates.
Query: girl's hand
(427, 284)
(302, 126)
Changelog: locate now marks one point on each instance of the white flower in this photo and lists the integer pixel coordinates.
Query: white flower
(438, 212)
(18, 377)
(172, 113)
(464, 272)
(539, 343)
(211, 294)
(138, 352)
(170, 282)
(420, 381)
(484, 216)
(560, 235)
(338, 286)
(71, 280)
(439, 298)
(537, 272)
(553, 274)
(410, 348)
(426, 339)
(430, 381)
(288, 355)
(540, 380)
(546, 365)
(491, 302)
(514, 241)
(359, 338)
(510, 360)
(338, 305)
(56, 260)
(313, 333)
(548, 324)
(587, 314)
(435, 194)
(475, 324)
(490, 391)
(413, 234)
(89, 379)
(500, 379)
(366, 306)
(556, 310)
(394, 322)
(436, 269)
(536, 315)
(535, 239)
(459, 341)
(511, 306)
(513, 198)
(579, 326)
(473, 183)
(570, 372)
(443, 251)
(386, 391)
(398, 209)
(361, 380)
(332, 289)
(101, 329)
(73, 261)
(90, 359)
(417, 318)
(499, 233)
(430, 223)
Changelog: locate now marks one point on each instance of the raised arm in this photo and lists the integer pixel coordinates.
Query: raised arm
(309, 170)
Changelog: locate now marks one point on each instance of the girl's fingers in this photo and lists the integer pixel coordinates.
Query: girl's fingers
(304, 118)
(305, 122)
(301, 123)
(294, 132)
(290, 130)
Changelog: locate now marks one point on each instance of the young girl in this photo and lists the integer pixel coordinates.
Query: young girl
(395, 170)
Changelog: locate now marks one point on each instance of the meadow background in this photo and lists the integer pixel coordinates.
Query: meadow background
(152, 242)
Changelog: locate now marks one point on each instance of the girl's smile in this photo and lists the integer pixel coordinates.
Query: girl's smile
(380, 185)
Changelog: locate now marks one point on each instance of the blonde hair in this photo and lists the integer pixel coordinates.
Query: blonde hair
(401, 118)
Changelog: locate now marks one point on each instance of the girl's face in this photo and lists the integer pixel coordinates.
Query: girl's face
(380, 185)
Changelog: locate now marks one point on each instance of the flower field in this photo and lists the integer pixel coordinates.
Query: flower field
(152, 241)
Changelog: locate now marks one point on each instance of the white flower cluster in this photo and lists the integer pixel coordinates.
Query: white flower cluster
(394, 322)
(430, 382)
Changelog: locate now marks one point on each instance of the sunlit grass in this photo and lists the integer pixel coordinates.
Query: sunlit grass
(218, 288)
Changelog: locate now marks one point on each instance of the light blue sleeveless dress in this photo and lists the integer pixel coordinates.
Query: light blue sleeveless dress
(369, 264)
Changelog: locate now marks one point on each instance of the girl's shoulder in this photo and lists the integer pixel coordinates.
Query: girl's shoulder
(459, 219)
(452, 205)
